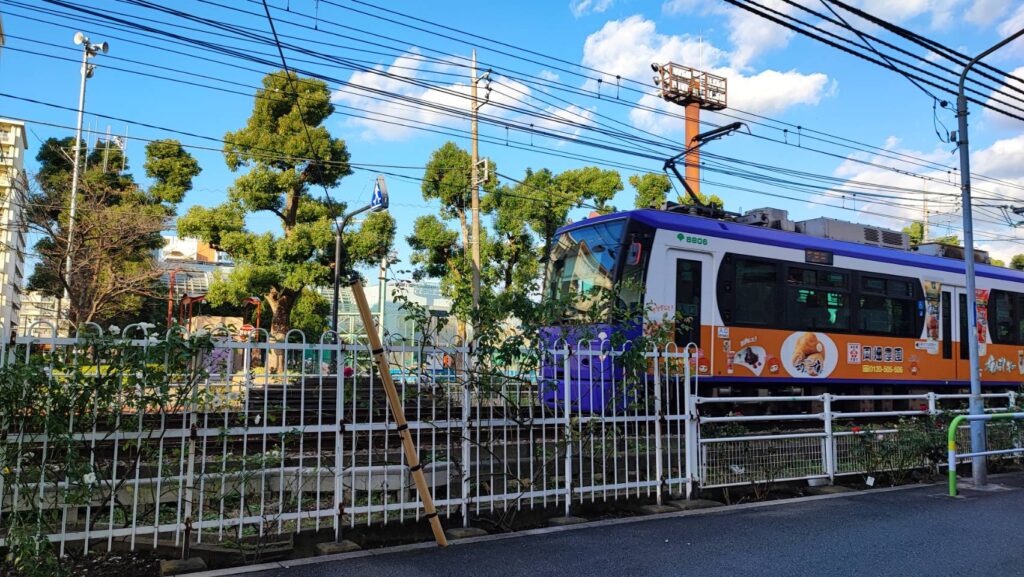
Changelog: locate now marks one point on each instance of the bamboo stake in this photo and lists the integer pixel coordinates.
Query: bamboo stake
(411, 454)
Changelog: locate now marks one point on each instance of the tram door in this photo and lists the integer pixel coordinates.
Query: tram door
(961, 352)
(691, 294)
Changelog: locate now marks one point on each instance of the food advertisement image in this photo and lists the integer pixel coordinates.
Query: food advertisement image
(809, 355)
(932, 295)
(981, 297)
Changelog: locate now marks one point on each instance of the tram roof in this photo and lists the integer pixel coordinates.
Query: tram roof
(773, 237)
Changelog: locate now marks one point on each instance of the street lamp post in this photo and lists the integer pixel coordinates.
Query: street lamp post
(377, 204)
(977, 407)
(88, 51)
(385, 262)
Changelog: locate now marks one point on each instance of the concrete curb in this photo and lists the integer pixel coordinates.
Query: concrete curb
(723, 510)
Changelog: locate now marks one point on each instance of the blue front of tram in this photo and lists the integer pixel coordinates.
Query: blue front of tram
(596, 275)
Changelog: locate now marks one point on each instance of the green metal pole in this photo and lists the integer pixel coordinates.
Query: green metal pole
(951, 446)
(951, 439)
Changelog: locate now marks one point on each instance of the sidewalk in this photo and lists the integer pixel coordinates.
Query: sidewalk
(905, 532)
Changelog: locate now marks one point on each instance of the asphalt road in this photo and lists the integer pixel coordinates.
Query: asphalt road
(901, 533)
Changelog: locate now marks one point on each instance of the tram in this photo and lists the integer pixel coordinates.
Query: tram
(806, 306)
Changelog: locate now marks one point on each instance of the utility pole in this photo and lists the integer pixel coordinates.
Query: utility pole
(475, 176)
(976, 406)
(88, 51)
(924, 222)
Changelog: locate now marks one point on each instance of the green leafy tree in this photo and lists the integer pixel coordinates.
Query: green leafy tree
(511, 252)
(558, 194)
(117, 227)
(284, 132)
(997, 262)
(651, 189)
(439, 251)
(1017, 262)
(916, 231)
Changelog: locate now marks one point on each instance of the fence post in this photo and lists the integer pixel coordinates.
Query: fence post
(830, 442)
(567, 435)
(932, 404)
(690, 413)
(658, 416)
(339, 438)
(467, 454)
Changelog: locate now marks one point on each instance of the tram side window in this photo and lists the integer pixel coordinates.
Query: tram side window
(813, 301)
(887, 307)
(1005, 318)
(756, 285)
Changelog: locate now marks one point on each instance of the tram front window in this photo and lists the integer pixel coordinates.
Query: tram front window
(583, 263)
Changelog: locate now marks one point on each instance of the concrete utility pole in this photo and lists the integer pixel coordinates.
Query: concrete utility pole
(977, 406)
(475, 246)
(475, 177)
(88, 51)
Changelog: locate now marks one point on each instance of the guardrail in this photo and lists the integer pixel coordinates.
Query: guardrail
(953, 455)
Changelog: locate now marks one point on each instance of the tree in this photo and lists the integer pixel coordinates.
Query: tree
(289, 154)
(652, 191)
(997, 262)
(1017, 262)
(916, 231)
(117, 227)
(439, 251)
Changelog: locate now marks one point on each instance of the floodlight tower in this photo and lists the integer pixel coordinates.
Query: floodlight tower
(89, 50)
(694, 91)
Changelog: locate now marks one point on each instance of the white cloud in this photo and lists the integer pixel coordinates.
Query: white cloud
(628, 47)
(548, 75)
(364, 94)
(682, 6)
(1014, 23)
(1003, 160)
(985, 12)
(752, 35)
(583, 7)
(378, 113)
(1012, 89)
(942, 12)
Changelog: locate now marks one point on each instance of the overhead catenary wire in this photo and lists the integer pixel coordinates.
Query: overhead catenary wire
(881, 153)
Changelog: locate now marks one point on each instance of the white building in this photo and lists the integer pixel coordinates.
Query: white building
(37, 307)
(398, 327)
(13, 191)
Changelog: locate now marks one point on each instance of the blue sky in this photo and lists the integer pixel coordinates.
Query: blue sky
(775, 74)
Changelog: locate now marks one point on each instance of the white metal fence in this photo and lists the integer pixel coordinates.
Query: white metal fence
(252, 453)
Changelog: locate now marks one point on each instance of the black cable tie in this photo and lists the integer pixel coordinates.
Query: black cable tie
(403, 427)
(429, 516)
(376, 352)
(417, 467)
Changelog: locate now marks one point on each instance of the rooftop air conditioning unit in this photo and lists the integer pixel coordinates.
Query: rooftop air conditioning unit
(852, 232)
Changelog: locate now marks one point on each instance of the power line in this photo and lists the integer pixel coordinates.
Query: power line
(882, 153)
